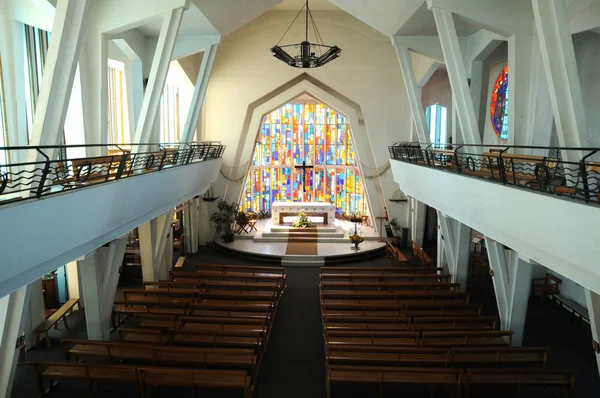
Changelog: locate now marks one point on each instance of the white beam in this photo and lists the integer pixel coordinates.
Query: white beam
(199, 93)
(428, 46)
(158, 75)
(59, 71)
(456, 239)
(512, 284)
(522, 51)
(593, 305)
(115, 18)
(153, 240)
(413, 93)
(458, 76)
(192, 44)
(558, 55)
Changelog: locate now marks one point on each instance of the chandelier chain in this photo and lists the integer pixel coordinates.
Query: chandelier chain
(288, 29)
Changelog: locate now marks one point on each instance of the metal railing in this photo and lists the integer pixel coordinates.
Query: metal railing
(577, 178)
(46, 176)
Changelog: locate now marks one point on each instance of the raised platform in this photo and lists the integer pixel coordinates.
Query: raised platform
(316, 246)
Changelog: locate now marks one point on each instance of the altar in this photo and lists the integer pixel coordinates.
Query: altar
(282, 209)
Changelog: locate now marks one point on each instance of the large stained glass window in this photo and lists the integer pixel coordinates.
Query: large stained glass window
(310, 132)
(499, 106)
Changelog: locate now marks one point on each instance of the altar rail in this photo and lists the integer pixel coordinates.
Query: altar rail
(546, 172)
(26, 180)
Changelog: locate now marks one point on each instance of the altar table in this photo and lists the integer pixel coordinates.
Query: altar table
(282, 209)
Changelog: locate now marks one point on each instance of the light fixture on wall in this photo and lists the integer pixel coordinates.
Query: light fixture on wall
(306, 52)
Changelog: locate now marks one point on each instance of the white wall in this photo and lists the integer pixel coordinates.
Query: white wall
(587, 54)
(367, 73)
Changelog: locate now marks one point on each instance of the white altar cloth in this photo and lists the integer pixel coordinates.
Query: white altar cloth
(280, 209)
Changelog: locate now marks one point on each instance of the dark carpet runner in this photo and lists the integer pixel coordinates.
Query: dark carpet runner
(303, 242)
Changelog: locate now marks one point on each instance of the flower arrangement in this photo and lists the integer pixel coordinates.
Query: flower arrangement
(302, 221)
(356, 239)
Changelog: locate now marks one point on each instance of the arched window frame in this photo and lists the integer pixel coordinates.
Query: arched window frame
(499, 105)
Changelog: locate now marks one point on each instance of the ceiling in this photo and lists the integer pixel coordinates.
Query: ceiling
(317, 5)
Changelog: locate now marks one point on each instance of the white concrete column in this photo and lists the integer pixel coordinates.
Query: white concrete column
(34, 315)
(158, 75)
(413, 92)
(512, 285)
(12, 44)
(456, 238)
(417, 221)
(457, 75)
(199, 93)
(192, 224)
(558, 56)
(593, 305)
(12, 308)
(93, 73)
(59, 72)
(99, 276)
(153, 241)
(204, 230)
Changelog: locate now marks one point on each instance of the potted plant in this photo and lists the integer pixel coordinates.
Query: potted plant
(224, 218)
(396, 229)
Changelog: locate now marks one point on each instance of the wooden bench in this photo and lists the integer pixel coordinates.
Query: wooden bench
(215, 339)
(180, 263)
(454, 323)
(410, 339)
(150, 377)
(211, 312)
(418, 253)
(390, 281)
(394, 356)
(498, 356)
(395, 253)
(547, 286)
(399, 324)
(331, 271)
(388, 286)
(143, 335)
(53, 320)
(575, 308)
(393, 375)
(83, 371)
(442, 309)
(465, 338)
(519, 379)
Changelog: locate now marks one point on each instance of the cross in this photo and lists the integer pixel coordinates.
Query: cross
(304, 167)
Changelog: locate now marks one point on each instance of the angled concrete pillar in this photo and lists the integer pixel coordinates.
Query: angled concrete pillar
(73, 282)
(456, 238)
(12, 44)
(417, 220)
(191, 224)
(593, 305)
(414, 94)
(34, 314)
(158, 75)
(153, 242)
(558, 54)
(457, 75)
(512, 285)
(204, 230)
(12, 308)
(59, 72)
(199, 93)
(99, 276)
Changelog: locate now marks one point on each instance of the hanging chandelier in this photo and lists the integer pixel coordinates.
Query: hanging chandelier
(308, 55)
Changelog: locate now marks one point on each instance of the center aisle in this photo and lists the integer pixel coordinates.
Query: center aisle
(294, 364)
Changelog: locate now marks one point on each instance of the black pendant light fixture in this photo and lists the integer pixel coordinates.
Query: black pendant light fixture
(308, 55)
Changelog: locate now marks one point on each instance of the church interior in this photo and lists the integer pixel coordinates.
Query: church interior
(299, 198)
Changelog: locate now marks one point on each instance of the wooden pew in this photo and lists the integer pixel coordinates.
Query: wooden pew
(85, 372)
(53, 320)
(386, 282)
(160, 355)
(389, 356)
(465, 338)
(441, 308)
(396, 295)
(395, 253)
(358, 324)
(150, 377)
(454, 323)
(331, 271)
(393, 375)
(234, 305)
(212, 312)
(388, 286)
(215, 339)
(520, 379)
(498, 356)
(420, 255)
(179, 275)
(398, 339)
(143, 335)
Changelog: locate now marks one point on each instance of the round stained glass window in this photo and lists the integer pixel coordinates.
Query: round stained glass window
(499, 107)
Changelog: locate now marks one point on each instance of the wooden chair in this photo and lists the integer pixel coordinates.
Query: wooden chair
(242, 223)
(547, 286)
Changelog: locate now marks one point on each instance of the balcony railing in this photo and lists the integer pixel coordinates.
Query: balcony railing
(546, 172)
(27, 180)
